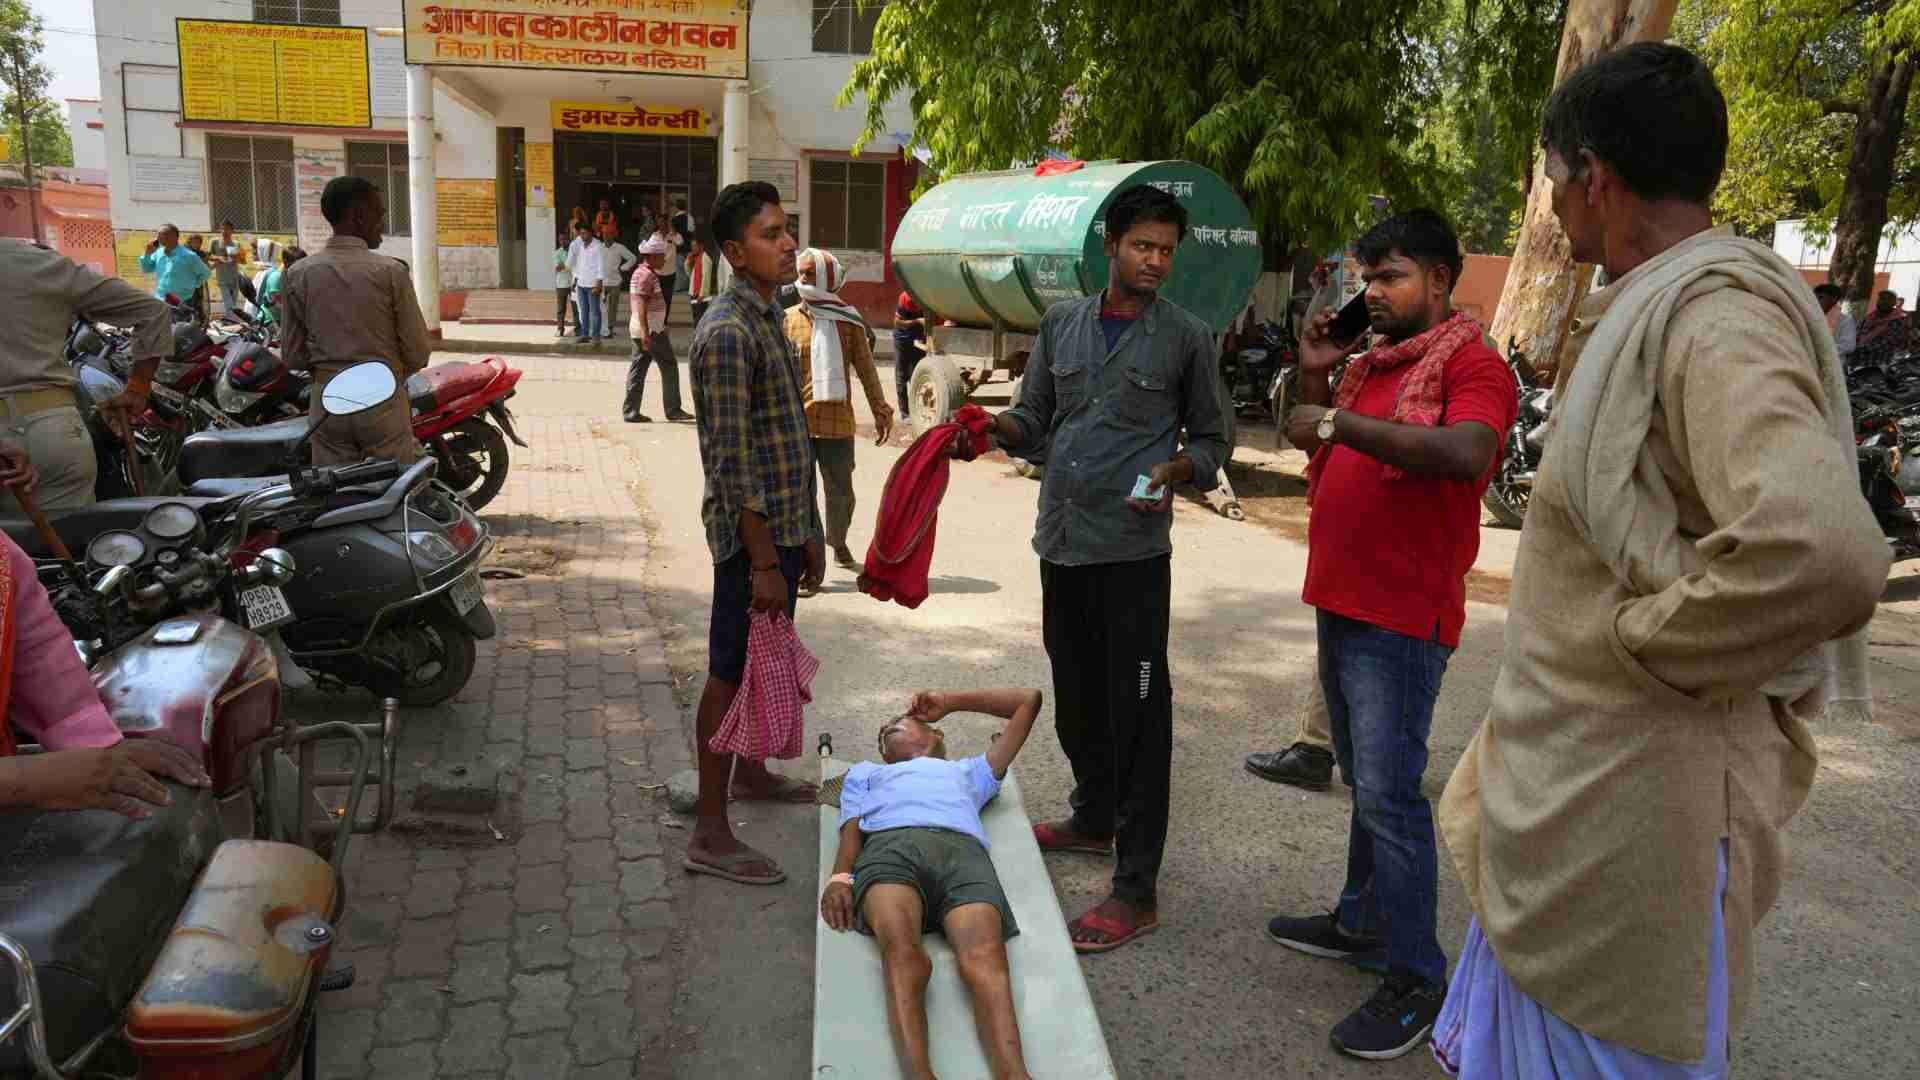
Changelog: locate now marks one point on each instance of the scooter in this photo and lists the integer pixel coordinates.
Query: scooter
(100, 985)
(388, 595)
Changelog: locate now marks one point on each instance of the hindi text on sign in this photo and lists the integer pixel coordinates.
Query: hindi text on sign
(699, 37)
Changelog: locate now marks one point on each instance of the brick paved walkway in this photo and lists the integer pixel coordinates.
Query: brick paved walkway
(545, 954)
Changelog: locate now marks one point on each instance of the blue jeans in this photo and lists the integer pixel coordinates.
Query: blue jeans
(1380, 688)
(592, 320)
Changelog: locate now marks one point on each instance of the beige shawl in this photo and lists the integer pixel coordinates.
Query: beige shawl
(1618, 498)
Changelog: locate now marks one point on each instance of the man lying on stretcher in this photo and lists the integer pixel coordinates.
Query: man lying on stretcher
(913, 858)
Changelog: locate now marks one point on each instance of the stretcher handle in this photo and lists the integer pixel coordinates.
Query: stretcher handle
(826, 745)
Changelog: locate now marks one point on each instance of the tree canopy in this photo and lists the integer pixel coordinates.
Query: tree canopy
(1798, 77)
(24, 76)
(1307, 108)
(52, 145)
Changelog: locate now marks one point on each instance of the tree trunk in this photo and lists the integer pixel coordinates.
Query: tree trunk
(1543, 284)
(1880, 123)
(19, 81)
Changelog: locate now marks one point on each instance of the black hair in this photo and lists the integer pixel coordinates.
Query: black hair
(1421, 235)
(739, 204)
(1828, 289)
(291, 255)
(1142, 203)
(1652, 112)
(342, 194)
(228, 224)
(1888, 298)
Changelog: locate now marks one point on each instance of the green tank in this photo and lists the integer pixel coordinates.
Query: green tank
(1003, 247)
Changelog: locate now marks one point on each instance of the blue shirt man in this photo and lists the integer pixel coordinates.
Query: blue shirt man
(922, 792)
(175, 269)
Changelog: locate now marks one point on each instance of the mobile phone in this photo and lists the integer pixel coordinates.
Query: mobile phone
(1352, 321)
(1145, 491)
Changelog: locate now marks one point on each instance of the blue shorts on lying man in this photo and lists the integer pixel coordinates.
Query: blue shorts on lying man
(913, 858)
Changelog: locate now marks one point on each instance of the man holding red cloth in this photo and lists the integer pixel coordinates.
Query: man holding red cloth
(1111, 382)
(1401, 454)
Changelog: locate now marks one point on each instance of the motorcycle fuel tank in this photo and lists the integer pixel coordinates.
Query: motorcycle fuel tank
(200, 682)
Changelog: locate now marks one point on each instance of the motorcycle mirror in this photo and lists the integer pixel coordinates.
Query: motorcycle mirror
(361, 387)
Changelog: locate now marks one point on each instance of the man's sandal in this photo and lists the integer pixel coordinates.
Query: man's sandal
(729, 868)
(1052, 839)
(1117, 932)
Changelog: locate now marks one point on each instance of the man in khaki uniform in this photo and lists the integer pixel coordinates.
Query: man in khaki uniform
(37, 406)
(347, 304)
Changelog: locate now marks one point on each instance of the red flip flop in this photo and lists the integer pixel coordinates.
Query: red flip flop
(1118, 933)
(1051, 839)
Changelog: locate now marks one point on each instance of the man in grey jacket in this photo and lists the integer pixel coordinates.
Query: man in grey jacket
(1111, 382)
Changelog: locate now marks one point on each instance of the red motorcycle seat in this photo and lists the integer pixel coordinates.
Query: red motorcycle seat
(440, 384)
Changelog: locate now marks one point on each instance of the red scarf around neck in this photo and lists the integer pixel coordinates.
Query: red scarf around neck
(1420, 400)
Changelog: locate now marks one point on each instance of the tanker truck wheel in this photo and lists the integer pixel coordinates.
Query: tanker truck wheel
(935, 391)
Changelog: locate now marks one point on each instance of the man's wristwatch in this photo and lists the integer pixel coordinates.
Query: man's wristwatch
(841, 879)
(1324, 430)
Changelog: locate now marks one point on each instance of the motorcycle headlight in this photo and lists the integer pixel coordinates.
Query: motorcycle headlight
(430, 550)
(232, 400)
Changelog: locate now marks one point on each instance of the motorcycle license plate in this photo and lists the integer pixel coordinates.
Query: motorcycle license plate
(466, 592)
(266, 607)
(169, 395)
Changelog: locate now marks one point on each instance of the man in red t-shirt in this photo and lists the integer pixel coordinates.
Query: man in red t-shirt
(1401, 454)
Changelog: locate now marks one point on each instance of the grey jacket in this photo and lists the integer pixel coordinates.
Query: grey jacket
(1103, 419)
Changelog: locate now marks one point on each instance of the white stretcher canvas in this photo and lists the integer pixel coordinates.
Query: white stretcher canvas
(1059, 1031)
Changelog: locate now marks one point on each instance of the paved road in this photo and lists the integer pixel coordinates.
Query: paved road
(1210, 996)
(460, 977)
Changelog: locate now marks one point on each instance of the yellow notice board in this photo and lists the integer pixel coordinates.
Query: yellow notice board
(663, 37)
(273, 73)
(467, 213)
(631, 119)
(539, 174)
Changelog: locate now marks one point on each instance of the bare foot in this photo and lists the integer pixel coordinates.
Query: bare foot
(753, 782)
(724, 856)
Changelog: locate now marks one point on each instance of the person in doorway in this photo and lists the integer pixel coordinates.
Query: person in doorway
(831, 339)
(1399, 458)
(1884, 332)
(762, 524)
(617, 260)
(1839, 319)
(586, 261)
(650, 342)
(606, 223)
(670, 266)
(273, 282)
(1695, 539)
(909, 345)
(348, 304)
(1111, 382)
(562, 288)
(228, 257)
(176, 268)
(37, 409)
(700, 272)
(684, 225)
(913, 858)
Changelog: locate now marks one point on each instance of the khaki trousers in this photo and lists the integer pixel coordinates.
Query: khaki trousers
(62, 450)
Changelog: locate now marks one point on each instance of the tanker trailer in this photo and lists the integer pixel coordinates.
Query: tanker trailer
(990, 252)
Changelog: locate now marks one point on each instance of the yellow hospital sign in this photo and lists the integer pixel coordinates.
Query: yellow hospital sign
(273, 73)
(628, 119)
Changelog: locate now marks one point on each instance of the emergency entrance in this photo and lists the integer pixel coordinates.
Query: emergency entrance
(637, 176)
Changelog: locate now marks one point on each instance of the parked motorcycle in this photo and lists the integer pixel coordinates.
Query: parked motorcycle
(1254, 372)
(388, 595)
(452, 404)
(1512, 485)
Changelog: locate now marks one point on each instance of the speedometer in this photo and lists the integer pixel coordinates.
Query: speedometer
(172, 521)
(117, 548)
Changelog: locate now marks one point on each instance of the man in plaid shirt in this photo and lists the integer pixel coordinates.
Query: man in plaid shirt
(762, 524)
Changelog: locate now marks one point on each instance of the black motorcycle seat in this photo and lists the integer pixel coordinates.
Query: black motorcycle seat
(231, 452)
(77, 528)
(90, 895)
(225, 487)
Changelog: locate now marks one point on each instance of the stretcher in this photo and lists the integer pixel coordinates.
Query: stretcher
(1059, 1031)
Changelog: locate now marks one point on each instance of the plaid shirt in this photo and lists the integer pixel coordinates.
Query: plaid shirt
(835, 419)
(753, 425)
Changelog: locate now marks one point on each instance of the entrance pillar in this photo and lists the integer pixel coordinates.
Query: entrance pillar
(422, 179)
(736, 140)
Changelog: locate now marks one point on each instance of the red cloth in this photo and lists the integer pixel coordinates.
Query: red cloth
(1420, 400)
(768, 713)
(1395, 552)
(902, 548)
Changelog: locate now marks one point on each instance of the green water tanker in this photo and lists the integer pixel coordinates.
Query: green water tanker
(991, 252)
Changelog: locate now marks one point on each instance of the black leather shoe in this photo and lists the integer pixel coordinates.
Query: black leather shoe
(1301, 765)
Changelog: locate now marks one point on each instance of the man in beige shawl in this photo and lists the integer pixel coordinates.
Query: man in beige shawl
(1695, 542)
